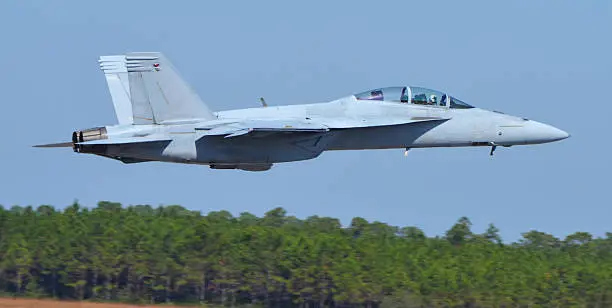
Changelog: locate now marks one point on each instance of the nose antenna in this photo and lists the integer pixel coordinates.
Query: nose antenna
(263, 102)
(493, 148)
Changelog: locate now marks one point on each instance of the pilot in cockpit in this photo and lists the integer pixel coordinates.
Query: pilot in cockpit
(433, 100)
(443, 100)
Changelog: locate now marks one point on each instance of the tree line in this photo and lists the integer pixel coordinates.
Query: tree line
(169, 254)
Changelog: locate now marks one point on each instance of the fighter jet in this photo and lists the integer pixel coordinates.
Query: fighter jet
(160, 118)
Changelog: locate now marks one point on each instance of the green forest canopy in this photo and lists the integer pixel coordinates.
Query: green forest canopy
(170, 254)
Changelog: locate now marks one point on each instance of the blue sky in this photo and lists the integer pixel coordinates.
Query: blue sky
(546, 60)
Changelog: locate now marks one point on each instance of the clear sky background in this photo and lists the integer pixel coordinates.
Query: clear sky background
(546, 60)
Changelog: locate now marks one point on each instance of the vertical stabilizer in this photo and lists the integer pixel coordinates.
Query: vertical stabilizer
(116, 75)
(154, 82)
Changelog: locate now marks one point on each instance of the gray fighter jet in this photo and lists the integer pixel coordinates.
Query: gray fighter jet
(162, 119)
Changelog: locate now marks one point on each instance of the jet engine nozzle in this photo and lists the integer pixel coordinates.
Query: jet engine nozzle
(96, 133)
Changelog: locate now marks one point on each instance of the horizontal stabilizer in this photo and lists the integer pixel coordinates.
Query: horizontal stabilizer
(251, 126)
(55, 145)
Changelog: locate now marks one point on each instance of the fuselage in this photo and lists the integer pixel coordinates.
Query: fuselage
(381, 125)
(464, 128)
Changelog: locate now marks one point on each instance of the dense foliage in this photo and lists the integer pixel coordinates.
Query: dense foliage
(170, 254)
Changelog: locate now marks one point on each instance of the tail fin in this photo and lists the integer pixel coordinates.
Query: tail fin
(116, 74)
(156, 84)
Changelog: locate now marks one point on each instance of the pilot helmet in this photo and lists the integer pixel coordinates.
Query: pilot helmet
(432, 98)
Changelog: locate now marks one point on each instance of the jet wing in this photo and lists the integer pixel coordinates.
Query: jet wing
(321, 125)
(254, 127)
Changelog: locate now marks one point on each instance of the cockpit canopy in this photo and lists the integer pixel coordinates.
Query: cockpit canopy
(413, 95)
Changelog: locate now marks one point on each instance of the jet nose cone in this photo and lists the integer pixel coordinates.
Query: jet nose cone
(558, 134)
(547, 133)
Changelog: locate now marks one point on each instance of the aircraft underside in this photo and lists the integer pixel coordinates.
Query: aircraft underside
(256, 152)
(246, 153)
